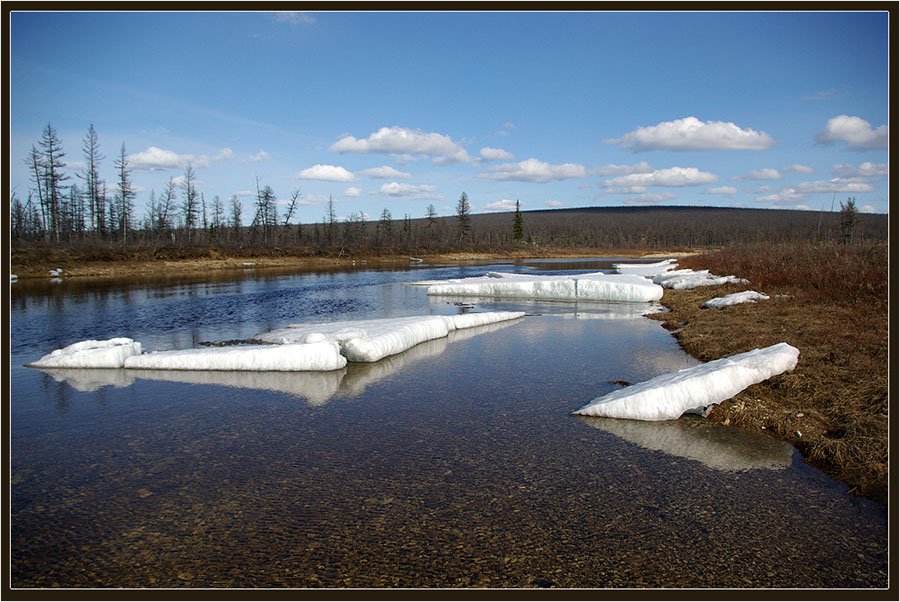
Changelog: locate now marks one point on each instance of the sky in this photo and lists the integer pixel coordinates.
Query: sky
(402, 110)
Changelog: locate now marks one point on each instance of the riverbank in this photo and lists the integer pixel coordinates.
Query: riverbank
(37, 261)
(829, 301)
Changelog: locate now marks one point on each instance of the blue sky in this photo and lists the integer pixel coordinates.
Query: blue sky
(402, 110)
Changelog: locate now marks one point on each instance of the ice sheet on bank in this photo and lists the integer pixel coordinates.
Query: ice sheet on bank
(595, 286)
(313, 356)
(372, 340)
(716, 446)
(668, 396)
(111, 353)
(645, 269)
(736, 299)
(687, 279)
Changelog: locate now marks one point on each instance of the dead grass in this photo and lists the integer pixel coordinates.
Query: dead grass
(829, 301)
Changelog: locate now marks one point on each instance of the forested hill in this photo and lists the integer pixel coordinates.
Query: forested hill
(638, 228)
(669, 227)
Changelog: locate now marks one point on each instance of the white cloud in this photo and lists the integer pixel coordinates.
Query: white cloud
(158, 159)
(784, 196)
(798, 168)
(690, 134)
(672, 176)
(865, 169)
(867, 209)
(225, 153)
(855, 131)
(766, 173)
(260, 156)
(506, 128)
(554, 204)
(396, 140)
(533, 170)
(352, 191)
(495, 154)
(398, 189)
(650, 198)
(295, 18)
(328, 173)
(836, 185)
(618, 170)
(385, 171)
(502, 205)
(722, 190)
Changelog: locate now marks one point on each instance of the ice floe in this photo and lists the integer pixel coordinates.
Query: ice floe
(110, 353)
(645, 269)
(316, 387)
(298, 357)
(668, 396)
(666, 275)
(718, 447)
(372, 340)
(595, 286)
(735, 299)
(300, 347)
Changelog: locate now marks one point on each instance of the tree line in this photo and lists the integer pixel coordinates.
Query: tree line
(87, 211)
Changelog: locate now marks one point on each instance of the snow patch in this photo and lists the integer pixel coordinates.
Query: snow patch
(668, 396)
(735, 299)
(645, 269)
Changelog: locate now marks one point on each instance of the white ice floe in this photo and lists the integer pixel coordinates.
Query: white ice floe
(668, 396)
(687, 279)
(735, 299)
(371, 340)
(111, 353)
(298, 357)
(646, 269)
(596, 286)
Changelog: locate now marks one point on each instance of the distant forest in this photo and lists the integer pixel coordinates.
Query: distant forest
(86, 213)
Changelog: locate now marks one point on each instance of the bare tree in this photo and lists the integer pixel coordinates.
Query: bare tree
(189, 205)
(126, 195)
(91, 177)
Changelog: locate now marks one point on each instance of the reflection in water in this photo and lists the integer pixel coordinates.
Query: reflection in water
(316, 387)
(716, 446)
(580, 310)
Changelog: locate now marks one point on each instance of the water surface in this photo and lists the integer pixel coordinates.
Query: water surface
(454, 464)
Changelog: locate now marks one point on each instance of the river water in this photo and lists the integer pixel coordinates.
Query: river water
(454, 464)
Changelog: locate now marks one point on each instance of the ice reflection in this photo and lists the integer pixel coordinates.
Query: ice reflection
(576, 310)
(716, 446)
(316, 387)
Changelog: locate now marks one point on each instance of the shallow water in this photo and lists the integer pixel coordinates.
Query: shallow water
(454, 464)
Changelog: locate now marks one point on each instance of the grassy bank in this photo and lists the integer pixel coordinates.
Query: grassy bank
(831, 302)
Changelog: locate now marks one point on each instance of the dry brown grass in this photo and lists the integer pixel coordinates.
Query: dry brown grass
(829, 301)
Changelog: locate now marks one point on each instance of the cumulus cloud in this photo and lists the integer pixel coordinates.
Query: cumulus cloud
(396, 140)
(385, 171)
(533, 170)
(798, 168)
(867, 209)
(766, 173)
(691, 134)
(554, 204)
(328, 173)
(260, 156)
(352, 191)
(398, 189)
(855, 131)
(866, 170)
(669, 177)
(722, 190)
(502, 205)
(495, 154)
(159, 159)
(618, 170)
(784, 196)
(836, 185)
(650, 198)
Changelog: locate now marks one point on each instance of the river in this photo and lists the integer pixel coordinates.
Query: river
(455, 464)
